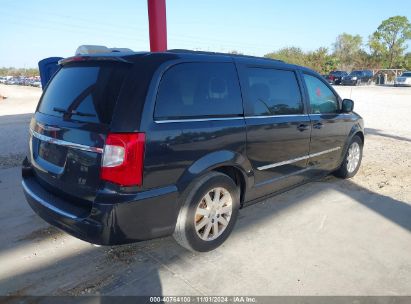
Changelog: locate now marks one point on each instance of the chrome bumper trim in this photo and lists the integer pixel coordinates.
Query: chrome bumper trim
(65, 143)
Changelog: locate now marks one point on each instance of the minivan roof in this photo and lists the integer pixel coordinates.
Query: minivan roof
(190, 52)
(146, 64)
(182, 54)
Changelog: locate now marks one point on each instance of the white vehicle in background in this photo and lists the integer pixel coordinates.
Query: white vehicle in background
(36, 83)
(403, 80)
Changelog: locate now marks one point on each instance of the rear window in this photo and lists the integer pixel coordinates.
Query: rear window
(407, 74)
(190, 90)
(86, 93)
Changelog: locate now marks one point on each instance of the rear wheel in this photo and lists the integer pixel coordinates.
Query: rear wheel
(208, 213)
(352, 159)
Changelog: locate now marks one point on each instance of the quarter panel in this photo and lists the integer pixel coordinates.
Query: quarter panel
(177, 152)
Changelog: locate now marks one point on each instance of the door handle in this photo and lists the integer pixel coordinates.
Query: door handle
(318, 125)
(303, 127)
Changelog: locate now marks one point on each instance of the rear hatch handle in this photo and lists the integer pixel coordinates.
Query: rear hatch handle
(47, 166)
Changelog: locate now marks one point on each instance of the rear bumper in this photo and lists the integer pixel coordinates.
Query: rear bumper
(136, 217)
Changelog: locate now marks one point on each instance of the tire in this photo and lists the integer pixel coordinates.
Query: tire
(349, 166)
(198, 210)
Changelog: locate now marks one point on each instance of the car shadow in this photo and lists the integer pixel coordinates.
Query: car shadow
(396, 211)
(382, 134)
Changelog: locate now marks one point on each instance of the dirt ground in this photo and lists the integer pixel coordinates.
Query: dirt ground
(15, 114)
(330, 237)
(386, 166)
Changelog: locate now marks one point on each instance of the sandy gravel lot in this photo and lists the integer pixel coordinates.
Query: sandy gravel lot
(15, 114)
(330, 237)
(386, 166)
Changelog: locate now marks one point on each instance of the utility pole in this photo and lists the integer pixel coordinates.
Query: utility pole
(157, 25)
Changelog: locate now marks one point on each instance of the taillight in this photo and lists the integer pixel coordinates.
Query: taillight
(332, 77)
(123, 158)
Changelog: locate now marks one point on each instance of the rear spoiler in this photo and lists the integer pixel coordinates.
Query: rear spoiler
(91, 58)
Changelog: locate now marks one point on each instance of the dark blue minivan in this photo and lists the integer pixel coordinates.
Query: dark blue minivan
(132, 146)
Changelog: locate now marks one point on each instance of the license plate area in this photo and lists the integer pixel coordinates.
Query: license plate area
(52, 153)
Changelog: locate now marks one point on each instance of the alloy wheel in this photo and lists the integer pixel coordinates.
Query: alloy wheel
(353, 157)
(213, 213)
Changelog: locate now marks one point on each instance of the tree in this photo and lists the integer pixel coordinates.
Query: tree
(365, 60)
(407, 61)
(19, 72)
(347, 50)
(321, 61)
(404, 62)
(389, 40)
(293, 55)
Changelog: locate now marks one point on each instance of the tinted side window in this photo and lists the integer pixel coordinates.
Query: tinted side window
(272, 92)
(322, 99)
(199, 90)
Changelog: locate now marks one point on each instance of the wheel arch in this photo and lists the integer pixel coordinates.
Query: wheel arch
(355, 130)
(237, 176)
(231, 163)
(360, 134)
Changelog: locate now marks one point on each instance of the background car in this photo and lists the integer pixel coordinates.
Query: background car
(11, 81)
(403, 80)
(358, 77)
(335, 77)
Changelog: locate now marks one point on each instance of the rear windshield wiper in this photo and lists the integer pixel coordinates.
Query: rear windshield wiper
(74, 112)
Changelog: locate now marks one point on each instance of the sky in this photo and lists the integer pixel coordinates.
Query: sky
(31, 30)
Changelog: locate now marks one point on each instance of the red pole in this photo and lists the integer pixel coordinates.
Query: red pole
(157, 25)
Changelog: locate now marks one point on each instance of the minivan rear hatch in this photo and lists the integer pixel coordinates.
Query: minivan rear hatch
(72, 120)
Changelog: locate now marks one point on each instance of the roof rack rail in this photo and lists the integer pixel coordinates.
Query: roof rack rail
(219, 53)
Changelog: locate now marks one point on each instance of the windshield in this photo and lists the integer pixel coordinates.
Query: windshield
(86, 93)
(406, 74)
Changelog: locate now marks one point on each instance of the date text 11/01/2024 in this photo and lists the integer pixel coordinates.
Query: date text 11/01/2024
(204, 299)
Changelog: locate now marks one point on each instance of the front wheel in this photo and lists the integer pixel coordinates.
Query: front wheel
(352, 159)
(208, 213)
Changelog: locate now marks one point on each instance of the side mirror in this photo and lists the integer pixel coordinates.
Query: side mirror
(347, 106)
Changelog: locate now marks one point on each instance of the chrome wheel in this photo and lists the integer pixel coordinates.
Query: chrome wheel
(213, 214)
(353, 157)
